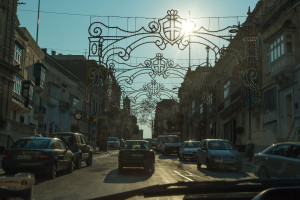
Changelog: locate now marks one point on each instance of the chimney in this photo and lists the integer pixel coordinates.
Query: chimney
(44, 50)
(53, 53)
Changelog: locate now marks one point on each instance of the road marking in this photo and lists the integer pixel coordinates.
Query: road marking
(183, 176)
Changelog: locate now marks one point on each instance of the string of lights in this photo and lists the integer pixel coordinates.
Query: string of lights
(124, 17)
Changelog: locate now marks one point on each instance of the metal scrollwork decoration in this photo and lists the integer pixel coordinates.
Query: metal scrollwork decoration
(96, 78)
(168, 30)
(157, 66)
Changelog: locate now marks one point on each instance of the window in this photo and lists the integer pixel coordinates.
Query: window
(17, 84)
(62, 146)
(54, 145)
(201, 108)
(18, 53)
(226, 89)
(54, 91)
(276, 49)
(295, 152)
(269, 100)
(281, 150)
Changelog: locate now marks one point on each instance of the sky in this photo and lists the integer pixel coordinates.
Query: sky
(63, 25)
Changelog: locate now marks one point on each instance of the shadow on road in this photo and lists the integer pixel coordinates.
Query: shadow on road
(187, 162)
(128, 175)
(223, 173)
(173, 156)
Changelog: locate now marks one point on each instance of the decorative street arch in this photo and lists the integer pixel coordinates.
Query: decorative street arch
(170, 30)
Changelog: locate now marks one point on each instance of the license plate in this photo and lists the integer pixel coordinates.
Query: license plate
(23, 157)
(137, 155)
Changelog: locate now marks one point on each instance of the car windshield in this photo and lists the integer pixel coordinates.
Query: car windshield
(191, 144)
(112, 139)
(171, 139)
(136, 145)
(202, 87)
(31, 144)
(219, 145)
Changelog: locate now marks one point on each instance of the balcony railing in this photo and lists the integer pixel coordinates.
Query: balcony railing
(18, 99)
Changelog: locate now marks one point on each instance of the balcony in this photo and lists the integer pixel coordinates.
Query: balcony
(39, 74)
(64, 105)
(39, 112)
(18, 101)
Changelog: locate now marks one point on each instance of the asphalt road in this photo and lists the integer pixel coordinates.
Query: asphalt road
(102, 178)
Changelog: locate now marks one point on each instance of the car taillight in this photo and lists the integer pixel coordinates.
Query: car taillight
(254, 157)
(5, 155)
(43, 156)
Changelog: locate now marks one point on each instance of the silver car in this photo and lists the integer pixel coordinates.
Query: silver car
(281, 160)
(218, 153)
(188, 150)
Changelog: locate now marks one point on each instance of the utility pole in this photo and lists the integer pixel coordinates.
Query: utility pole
(189, 43)
(38, 22)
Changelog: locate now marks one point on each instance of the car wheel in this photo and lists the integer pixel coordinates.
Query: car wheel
(120, 169)
(208, 165)
(198, 164)
(180, 158)
(89, 160)
(152, 168)
(71, 168)
(263, 174)
(78, 162)
(53, 171)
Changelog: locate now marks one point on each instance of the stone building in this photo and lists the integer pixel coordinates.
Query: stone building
(167, 118)
(8, 23)
(280, 35)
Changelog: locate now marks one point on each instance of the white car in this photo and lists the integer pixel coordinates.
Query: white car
(188, 150)
(113, 143)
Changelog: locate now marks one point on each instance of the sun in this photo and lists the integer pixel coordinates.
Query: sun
(187, 27)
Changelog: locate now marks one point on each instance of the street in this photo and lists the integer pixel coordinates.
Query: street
(103, 178)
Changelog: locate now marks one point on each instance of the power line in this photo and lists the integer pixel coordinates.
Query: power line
(116, 16)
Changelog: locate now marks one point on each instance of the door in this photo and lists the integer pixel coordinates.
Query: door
(294, 162)
(65, 156)
(85, 148)
(58, 155)
(203, 152)
(277, 161)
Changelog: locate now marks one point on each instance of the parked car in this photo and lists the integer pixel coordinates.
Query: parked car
(113, 143)
(154, 143)
(136, 153)
(77, 143)
(38, 155)
(188, 150)
(218, 153)
(171, 144)
(281, 160)
(159, 144)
